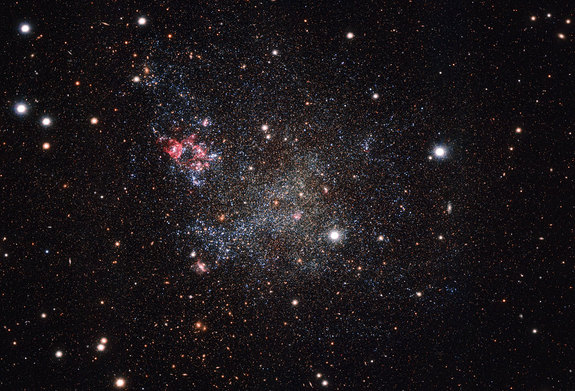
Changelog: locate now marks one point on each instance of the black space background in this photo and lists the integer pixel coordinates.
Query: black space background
(473, 340)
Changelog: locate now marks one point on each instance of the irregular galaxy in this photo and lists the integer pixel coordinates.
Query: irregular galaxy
(280, 195)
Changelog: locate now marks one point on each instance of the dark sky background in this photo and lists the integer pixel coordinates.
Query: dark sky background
(287, 195)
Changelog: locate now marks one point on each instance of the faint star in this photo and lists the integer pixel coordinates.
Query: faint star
(350, 35)
(46, 121)
(59, 354)
(120, 382)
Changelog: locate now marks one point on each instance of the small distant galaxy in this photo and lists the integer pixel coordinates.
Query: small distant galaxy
(275, 195)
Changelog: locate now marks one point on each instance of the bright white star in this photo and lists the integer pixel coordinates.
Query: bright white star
(25, 28)
(334, 235)
(21, 108)
(439, 152)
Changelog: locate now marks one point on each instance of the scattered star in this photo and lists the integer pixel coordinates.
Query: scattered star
(25, 28)
(46, 121)
(440, 152)
(21, 108)
(334, 235)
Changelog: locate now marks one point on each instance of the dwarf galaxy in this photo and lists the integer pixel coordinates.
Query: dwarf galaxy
(287, 195)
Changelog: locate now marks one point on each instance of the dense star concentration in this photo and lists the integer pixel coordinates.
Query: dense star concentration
(282, 195)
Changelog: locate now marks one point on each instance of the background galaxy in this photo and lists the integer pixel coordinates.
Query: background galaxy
(286, 195)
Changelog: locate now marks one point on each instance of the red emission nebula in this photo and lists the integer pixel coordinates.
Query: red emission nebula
(187, 153)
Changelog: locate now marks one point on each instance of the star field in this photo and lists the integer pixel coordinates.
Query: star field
(274, 195)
